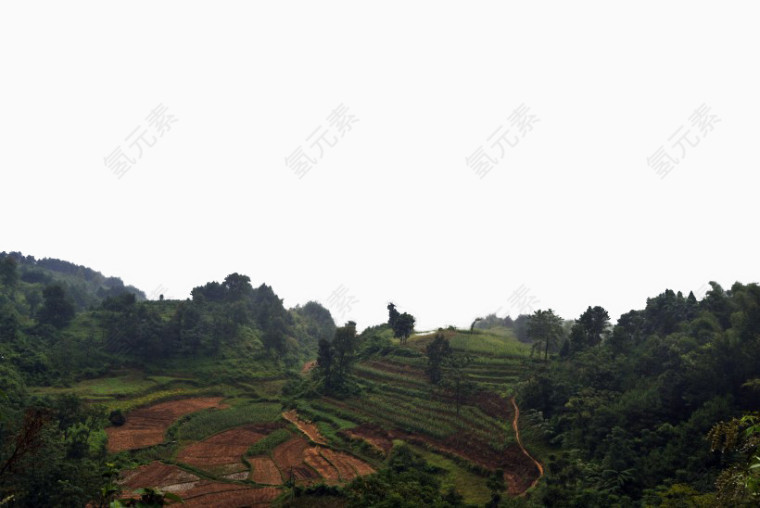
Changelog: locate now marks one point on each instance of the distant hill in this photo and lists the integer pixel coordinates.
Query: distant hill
(85, 286)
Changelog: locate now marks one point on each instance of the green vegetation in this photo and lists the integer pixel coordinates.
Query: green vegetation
(200, 425)
(494, 343)
(268, 443)
(407, 481)
(627, 409)
(471, 486)
(659, 409)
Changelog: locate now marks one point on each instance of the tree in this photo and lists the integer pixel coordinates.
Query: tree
(344, 345)
(52, 457)
(520, 327)
(456, 378)
(28, 440)
(34, 299)
(57, 310)
(393, 314)
(545, 327)
(437, 352)
(8, 272)
(149, 498)
(739, 484)
(9, 324)
(325, 357)
(589, 328)
(334, 359)
(403, 327)
(237, 286)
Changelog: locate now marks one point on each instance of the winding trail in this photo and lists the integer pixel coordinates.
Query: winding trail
(516, 428)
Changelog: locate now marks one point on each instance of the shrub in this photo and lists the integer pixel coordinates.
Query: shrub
(117, 418)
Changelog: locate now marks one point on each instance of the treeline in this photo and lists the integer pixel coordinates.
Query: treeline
(336, 355)
(627, 408)
(85, 286)
(48, 340)
(519, 325)
(52, 450)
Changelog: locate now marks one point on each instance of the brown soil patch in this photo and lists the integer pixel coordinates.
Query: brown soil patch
(158, 474)
(194, 491)
(146, 426)
(361, 467)
(519, 469)
(313, 458)
(308, 464)
(228, 495)
(374, 435)
(494, 405)
(221, 454)
(289, 457)
(289, 453)
(307, 428)
(265, 471)
(308, 366)
(348, 467)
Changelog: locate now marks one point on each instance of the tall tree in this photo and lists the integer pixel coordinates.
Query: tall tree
(545, 327)
(456, 378)
(589, 328)
(393, 314)
(237, 286)
(403, 327)
(438, 352)
(344, 344)
(8, 272)
(57, 310)
(325, 360)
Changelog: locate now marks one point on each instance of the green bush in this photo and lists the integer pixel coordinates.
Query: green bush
(117, 418)
(268, 443)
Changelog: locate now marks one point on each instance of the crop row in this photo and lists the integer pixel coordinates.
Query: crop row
(472, 418)
(200, 425)
(381, 411)
(365, 371)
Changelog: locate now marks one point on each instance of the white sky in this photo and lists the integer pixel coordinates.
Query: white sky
(572, 212)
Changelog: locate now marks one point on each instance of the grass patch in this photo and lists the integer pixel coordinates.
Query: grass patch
(269, 442)
(160, 396)
(490, 344)
(271, 389)
(470, 485)
(203, 424)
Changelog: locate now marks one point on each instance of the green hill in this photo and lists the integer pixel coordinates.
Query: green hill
(228, 397)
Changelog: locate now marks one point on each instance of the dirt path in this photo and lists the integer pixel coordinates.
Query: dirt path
(516, 428)
(307, 428)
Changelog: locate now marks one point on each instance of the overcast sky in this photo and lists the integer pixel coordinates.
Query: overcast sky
(456, 158)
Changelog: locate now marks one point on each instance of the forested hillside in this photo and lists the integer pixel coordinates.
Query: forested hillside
(227, 335)
(626, 410)
(228, 398)
(84, 286)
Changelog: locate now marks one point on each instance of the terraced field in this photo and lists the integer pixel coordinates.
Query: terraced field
(146, 426)
(399, 403)
(194, 490)
(220, 469)
(249, 450)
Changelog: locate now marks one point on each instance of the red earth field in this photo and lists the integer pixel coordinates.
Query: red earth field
(147, 426)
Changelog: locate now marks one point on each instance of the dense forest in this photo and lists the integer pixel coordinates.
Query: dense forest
(658, 409)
